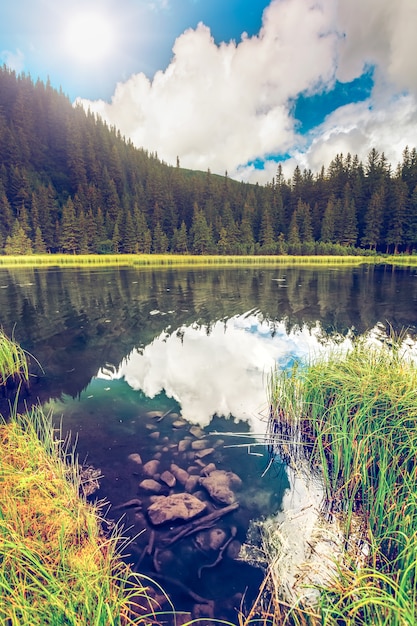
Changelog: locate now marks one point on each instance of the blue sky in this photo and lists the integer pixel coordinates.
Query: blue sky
(232, 85)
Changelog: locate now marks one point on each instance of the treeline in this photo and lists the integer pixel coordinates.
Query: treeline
(69, 183)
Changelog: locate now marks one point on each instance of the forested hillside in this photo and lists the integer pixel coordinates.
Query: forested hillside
(69, 183)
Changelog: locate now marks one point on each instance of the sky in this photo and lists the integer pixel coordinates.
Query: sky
(233, 86)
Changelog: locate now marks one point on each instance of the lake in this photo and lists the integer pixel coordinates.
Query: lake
(158, 372)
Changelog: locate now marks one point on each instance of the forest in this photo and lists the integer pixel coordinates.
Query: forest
(69, 183)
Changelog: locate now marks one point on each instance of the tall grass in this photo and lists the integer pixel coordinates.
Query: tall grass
(354, 416)
(13, 362)
(168, 260)
(56, 564)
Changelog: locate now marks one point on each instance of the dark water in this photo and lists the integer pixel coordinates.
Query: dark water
(136, 361)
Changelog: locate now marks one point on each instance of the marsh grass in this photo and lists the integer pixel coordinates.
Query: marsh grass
(173, 260)
(56, 564)
(355, 415)
(13, 362)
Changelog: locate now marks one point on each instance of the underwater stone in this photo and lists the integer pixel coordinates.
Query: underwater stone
(135, 458)
(184, 445)
(199, 444)
(168, 478)
(151, 468)
(150, 485)
(180, 474)
(201, 454)
(181, 506)
(219, 484)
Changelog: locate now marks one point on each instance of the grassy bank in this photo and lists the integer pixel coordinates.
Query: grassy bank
(174, 260)
(353, 416)
(56, 564)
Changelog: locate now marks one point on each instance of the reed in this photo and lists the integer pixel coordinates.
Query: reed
(355, 416)
(173, 260)
(13, 362)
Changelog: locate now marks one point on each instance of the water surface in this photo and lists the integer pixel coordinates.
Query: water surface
(117, 347)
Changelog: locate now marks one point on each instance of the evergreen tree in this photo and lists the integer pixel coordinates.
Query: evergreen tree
(304, 222)
(328, 223)
(116, 239)
(160, 240)
(69, 239)
(39, 245)
(396, 227)
(129, 238)
(411, 222)
(293, 232)
(373, 220)
(201, 236)
(348, 226)
(266, 235)
(18, 242)
(180, 239)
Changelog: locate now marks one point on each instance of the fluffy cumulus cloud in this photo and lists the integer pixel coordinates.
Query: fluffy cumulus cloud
(224, 106)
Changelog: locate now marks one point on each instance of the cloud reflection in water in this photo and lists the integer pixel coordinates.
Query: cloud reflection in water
(221, 369)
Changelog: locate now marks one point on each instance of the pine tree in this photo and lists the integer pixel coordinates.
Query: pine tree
(266, 235)
(396, 227)
(39, 245)
(328, 223)
(180, 239)
(116, 239)
(69, 238)
(18, 243)
(373, 220)
(160, 240)
(201, 236)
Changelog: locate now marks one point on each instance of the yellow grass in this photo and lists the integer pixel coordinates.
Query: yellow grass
(162, 260)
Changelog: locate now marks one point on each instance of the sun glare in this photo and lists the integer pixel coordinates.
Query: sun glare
(89, 37)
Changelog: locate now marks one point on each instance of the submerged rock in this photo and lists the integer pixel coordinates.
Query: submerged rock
(150, 485)
(199, 444)
(135, 458)
(151, 467)
(211, 539)
(180, 474)
(197, 431)
(168, 478)
(184, 445)
(178, 506)
(220, 485)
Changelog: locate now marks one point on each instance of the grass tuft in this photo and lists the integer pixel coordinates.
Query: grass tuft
(13, 362)
(56, 564)
(355, 416)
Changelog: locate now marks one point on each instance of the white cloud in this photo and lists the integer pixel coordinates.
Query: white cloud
(222, 106)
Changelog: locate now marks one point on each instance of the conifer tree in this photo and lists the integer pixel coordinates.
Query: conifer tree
(68, 238)
(180, 239)
(373, 220)
(18, 242)
(201, 236)
(160, 240)
(39, 245)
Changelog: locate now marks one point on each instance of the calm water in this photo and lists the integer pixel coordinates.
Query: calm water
(141, 361)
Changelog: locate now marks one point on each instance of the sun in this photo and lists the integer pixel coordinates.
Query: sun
(89, 36)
